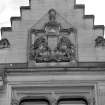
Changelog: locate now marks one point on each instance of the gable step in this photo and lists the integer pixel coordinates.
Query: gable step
(4, 29)
(24, 7)
(79, 6)
(99, 30)
(88, 16)
(98, 27)
(15, 19)
(24, 10)
(79, 10)
(89, 20)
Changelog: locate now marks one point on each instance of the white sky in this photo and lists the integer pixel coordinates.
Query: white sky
(10, 8)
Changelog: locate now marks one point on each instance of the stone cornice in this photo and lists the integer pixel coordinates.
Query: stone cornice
(78, 66)
(55, 78)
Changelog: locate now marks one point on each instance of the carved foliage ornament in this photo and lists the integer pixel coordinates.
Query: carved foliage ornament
(4, 43)
(52, 45)
(100, 41)
(14, 102)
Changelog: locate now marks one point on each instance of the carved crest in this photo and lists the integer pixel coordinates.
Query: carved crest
(52, 42)
(4, 43)
(14, 102)
(100, 41)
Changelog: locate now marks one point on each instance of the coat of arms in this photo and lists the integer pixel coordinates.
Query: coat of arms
(51, 43)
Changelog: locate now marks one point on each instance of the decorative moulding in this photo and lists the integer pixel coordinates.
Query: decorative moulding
(54, 96)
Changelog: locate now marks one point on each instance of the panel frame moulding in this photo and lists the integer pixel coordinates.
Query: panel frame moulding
(2, 79)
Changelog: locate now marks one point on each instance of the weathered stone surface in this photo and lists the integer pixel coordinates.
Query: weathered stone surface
(72, 13)
(23, 78)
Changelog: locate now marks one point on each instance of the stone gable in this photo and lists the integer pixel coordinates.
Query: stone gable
(69, 14)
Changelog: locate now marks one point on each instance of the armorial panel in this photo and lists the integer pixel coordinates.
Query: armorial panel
(53, 42)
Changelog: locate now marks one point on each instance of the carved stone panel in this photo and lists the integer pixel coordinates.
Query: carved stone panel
(52, 42)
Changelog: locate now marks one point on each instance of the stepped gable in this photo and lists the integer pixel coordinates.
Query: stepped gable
(86, 41)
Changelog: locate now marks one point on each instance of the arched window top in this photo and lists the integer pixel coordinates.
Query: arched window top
(72, 101)
(34, 101)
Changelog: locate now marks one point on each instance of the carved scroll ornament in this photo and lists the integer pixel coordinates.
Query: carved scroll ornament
(61, 48)
(4, 43)
(14, 102)
(100, 41)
